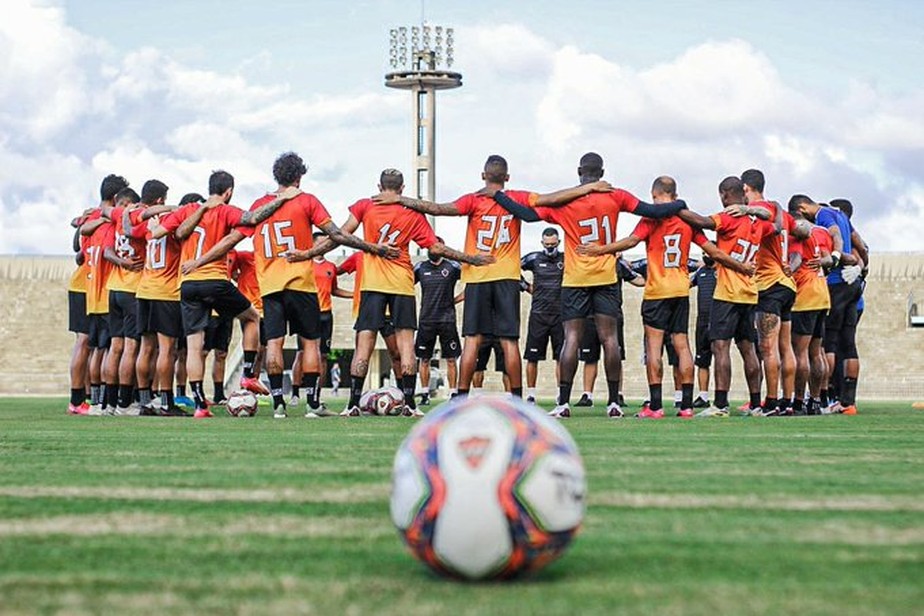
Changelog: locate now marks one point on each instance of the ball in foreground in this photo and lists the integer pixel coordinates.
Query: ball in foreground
(487, 488)
(242, 404)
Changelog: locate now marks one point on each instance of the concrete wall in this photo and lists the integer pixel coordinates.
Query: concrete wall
(36, 345)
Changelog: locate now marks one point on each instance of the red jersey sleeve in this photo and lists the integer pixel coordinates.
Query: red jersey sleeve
(465, 203)
(349, 264)
(422, 233)
(623, 200)
(358, 209)
(699, 238)
(316, 212)
(719, 220)
(643, 229)
(172, 221)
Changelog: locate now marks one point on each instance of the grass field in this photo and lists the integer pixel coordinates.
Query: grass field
(821, 515)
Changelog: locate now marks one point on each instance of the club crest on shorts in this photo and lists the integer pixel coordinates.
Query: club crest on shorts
(473, 449)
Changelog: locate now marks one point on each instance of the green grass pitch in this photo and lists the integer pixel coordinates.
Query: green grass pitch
(821, 515)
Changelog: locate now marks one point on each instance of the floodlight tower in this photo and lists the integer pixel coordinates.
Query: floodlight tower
(417, 68)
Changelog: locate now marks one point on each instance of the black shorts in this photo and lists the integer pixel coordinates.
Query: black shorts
(375, 308)
(843, 312)
(388, 329)
(449, 340)
(157, 316)
(729, 320)
(98, 334)
(540, 330)
(262, 332)
(703, 357)
(218, 334)
(590, 348)
(670, 315)
(672, 358)
(77, 319)
(295, 312)
(484, 353)
(123, 315)
(809, 323)
(777, 300)
(583, 302)
(198, 298)
(325, 331)
(492, 309)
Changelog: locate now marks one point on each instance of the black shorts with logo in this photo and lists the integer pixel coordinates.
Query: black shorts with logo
(325, 331)
(484, 353)
(540, 330)
(123, 315)
(157, 316)
(295, 312)
(730, 320)
(670, 315)
(809, 323)
(376, 308)
(778, 300)
(77, 319)
(98, 333)
(218, 334)
(583, 302)
(198, 298)
(492, 309)
(703, 357)
(450, 347)
(590, 347)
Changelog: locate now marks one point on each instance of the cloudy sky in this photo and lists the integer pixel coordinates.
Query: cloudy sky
(825, 96)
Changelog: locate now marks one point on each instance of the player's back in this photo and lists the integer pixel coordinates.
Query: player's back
(215, 224)
(160, 278)
(491, 229)
(667, 247)
(739, 237)
(811, 286)
(773, 250)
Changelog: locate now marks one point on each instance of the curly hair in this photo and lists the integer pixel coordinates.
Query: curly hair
(289, 169)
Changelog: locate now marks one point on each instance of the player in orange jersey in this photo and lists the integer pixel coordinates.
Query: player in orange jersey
(776, 293)
(388, 285)
(666, 301)
(492, 293)
(810, 256)
(738, 234)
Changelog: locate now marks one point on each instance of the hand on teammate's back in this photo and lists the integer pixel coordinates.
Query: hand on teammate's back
(289, 193)
(386, 198)
(482, 259)
(601, 186)
(589, 250)
(296, 255)
(387, 251)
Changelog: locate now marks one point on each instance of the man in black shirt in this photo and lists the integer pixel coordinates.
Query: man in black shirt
(437, 278)
(547, 266)
(704, 281)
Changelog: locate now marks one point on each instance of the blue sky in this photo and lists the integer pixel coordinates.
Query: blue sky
(824, 96)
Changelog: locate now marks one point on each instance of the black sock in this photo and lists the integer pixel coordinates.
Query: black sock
(180, 391)
(769, 403)
(612, 390)
(408, 385)
(356, 389)
(849, 395)
(103, 395)
(721, 399)
(310, 382)
(655, 402)
(823, 396)
(112, 395)
(77, 396)
(198, 394)
(459, 393)
(125, 396)
(276, 390)
(219, 390)
(797, 405)
(249, 358)
(295, 391)
(166, 399)
(517, 392)
(564, 393)
(754, 401)
(686, 396)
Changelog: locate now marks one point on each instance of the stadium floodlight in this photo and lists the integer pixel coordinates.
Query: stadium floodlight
(421, 65)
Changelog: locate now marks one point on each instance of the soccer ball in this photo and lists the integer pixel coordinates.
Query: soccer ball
(383, 401)
(242, 404)
(487, 488)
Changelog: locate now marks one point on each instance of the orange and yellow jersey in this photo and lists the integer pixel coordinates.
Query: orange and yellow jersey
(811, 285)
(78, 282)
(288, 229)
(160, 278)
(667, 246)
(740, 239)
(590, 219)
(100, 268)
(216, 223)
(773, 251)
(247, 283)
(325, 277)
(492, 229)
(397, 226)
(126, 247)
(354, 265)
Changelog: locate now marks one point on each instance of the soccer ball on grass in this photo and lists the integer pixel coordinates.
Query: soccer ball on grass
(242, 403)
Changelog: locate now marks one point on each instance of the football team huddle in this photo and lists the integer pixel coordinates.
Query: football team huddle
(158, 287)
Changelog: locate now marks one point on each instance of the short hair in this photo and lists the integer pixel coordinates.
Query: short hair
(391, 179)
(111, 185)
(732, 187)
(220, 181)
(591, 165)
(665, 184)
(549, 231)
(289, 169)
(495, 169)
(754, 178)
(843, 205)
(796, 202)
(440, 240)
(192, 198)
(153, 190)
(128, 194)
(317, 235)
